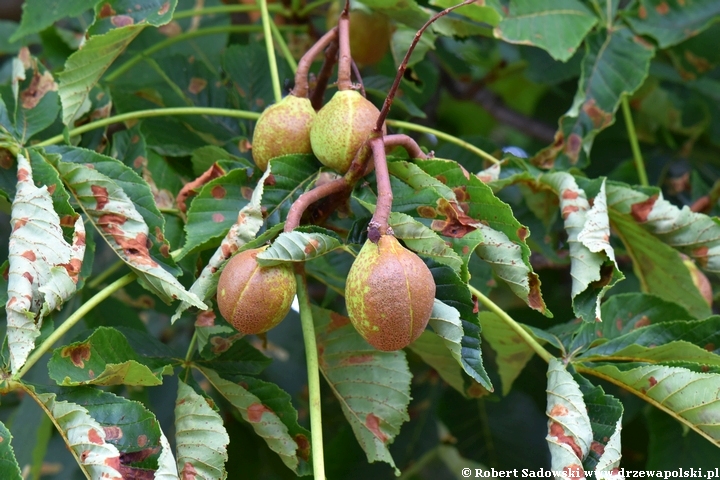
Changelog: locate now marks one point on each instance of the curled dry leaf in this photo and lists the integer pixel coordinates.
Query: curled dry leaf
(43, 269)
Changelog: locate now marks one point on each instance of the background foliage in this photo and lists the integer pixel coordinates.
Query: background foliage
(605, 117)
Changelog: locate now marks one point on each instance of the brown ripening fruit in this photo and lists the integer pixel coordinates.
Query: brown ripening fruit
(341, 127)
(252, 298)
(283, 129)
(389, 294)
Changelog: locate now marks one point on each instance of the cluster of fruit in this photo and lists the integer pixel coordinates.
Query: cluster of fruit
(389, 291)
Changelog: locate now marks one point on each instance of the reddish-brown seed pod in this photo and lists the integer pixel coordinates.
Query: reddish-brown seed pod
(389, 294)
(253, 298)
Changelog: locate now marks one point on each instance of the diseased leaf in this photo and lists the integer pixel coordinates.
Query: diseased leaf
(167, 468)
(658, 267)
(249, 221)
(488, 12)
(424, 240)
(373, 387)
(9, 467)
(513, 352)
(616, 63)
(569, 429)
(300, 246)
(291, 176)
(605, 413)
(136, 189)
(43, 268)
(232, 356)
(267, 423)
(691, 397)
(111, 14)
(105, 358)
(694, 234)
(114, 215)
(215, 208)
(557, 26)
(128, 425)
(592, 258)
(85, 67)
(86, 438)
(671, 21)
(624, 313)
(200, 437)
(33, 104)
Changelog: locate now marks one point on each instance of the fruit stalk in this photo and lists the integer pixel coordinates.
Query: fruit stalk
(400, 140)
(308, 198)
(345, 59)
(311, 357)
(403, 65)
(301, 75)
(378, 225)
(323, 77)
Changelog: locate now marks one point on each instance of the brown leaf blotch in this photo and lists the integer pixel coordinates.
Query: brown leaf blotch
(643, 322)
(113, 433)
(164, 8)
(39, 86)
(372, 422)
(218, 192)
(106, 11)
(30, 255)
(197, 85)
(599, 117)
(662, 8)
(641, 210)
(255, 412)
(78, 354)
(312, 246)
(572, 147)
(568, 194)
(557, 431)
(558, 411)
(218, 217)
(28, 276)
(94, 437)
(652, 381)
(357, 359)
(337, 321)
(303, 449)
(426, 211)
(205, 319)
(142, 440)
(188, 472)
(122, 20)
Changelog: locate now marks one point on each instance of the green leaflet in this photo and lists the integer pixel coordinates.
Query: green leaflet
(9, 467)
(512, 352)
(267, 423)
(200, 437)
(373, 387)
(557, 26)
(43, 267)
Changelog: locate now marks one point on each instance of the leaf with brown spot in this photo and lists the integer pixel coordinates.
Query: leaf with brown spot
(300, 245)
(569, 429)
(374, 395)
(36, 287)
(122, 226)
(615, 64)
(672, 21)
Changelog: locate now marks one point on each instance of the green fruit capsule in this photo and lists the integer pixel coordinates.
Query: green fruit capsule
(341, 127)
(283, 129)
(389, 294)
(253, 298)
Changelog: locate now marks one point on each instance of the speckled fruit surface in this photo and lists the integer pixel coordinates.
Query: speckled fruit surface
(389, 294)
(252, 298)
(341, 127)
(283, 129)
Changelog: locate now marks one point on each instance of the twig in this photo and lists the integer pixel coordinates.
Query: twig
(283, 46)
(345, 59)
(301, 75)
(358, 77)
(403, 65)
(308, 198)
(323, 77)
(400, 140)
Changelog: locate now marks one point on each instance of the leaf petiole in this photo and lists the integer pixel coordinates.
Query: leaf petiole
(277, 91)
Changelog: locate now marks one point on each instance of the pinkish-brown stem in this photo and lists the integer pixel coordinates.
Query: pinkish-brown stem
(301, 75)
(400, 140)
(318, 94)
(378, 225)
(358, 77)
(403, 65)
(308, 198)
(345, 59)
